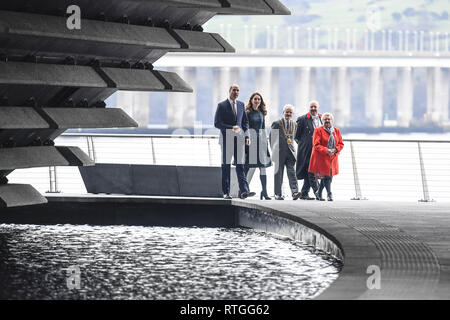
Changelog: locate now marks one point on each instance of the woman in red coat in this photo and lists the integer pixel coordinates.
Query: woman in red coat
(327, 144)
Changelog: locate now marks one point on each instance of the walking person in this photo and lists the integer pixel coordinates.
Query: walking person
(257, 154)
(283, 152)
(232, 121)
(327, 144)
(306, 124)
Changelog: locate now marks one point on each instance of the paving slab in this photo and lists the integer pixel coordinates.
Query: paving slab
(411, 240)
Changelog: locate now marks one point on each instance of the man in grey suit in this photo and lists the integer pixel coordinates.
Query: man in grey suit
(282, 135)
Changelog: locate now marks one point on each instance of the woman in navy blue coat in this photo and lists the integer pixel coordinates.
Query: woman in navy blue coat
(257, 154)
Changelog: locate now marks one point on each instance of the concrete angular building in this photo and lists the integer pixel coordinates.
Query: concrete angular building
(60, 60)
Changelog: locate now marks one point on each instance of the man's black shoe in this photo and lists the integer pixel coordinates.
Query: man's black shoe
(306, 197)
(296, 195)
(330, 197)
(277, 197)
(227, 196)
(244, 194)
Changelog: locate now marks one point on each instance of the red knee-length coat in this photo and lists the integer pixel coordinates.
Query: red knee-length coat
(320, 161)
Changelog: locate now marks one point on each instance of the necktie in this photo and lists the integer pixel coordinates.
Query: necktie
(234, 109)
(287, 126)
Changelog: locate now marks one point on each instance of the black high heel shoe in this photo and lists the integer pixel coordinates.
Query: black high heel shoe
(265, 196)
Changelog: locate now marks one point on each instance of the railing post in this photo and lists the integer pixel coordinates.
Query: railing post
(53, 180)
(358, 195)
(91, 148)
(426, 194)
(209, 152)
(153, 150)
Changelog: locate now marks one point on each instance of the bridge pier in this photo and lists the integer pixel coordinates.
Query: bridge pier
(305, 87)
(136, 105)
(405, 89)
(266, 82)
(181, 107)
(223, 78)
(437, 94)
(374, 97)
(141, 108)
(340, 96)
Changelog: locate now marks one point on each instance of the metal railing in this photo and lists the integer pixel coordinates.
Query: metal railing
(272, 37)
(374, 169)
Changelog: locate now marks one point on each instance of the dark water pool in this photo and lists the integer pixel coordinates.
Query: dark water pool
(129, 262)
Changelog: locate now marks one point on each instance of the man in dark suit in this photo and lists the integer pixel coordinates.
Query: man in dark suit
(306, 124)
(283, 152)
(232, 121)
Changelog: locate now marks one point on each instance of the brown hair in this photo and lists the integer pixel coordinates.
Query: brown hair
(262, 105)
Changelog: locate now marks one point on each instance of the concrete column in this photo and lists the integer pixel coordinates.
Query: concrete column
(246, 37)
(274, 113)
(268, 45)
(366, 40)
(136, 104)
(289, 38)
(406, 40)
(275, 37)
(309, 38)
(340, 95)
(125, 101)
(416, 41)
(266, 79)
(437, 94)
(253, 38)
(374, 97)
(329, 39)
(316, 38)
(372, 40)
(421, 41)
(336, 39)
(405, 95)
(389, 44)
(223, 77)
(305, 88)
(181, 107)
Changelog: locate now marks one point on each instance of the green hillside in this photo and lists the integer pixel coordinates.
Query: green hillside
(427, 15)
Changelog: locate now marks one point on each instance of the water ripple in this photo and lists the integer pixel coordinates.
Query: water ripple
(131, 262)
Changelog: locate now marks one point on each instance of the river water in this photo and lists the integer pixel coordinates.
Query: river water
(133, 262)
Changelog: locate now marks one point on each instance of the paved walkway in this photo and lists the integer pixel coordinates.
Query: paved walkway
(409, 242)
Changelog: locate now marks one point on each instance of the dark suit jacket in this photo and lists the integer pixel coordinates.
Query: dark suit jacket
(281, 145)
(225, 119)
(303, 136)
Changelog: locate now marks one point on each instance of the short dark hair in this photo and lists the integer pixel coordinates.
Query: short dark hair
(231, 87)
